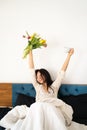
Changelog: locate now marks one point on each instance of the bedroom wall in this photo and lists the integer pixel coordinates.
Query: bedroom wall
(63, 23)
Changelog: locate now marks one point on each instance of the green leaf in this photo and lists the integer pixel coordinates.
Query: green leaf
(26, 51)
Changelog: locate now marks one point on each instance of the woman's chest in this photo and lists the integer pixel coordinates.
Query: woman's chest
(44, 93)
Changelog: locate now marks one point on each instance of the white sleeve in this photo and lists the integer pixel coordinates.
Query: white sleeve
(56, 84)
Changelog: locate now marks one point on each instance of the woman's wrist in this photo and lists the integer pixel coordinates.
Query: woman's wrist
(69, 54)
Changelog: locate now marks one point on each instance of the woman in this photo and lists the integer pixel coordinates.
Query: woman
(47, 90)
(48, 112)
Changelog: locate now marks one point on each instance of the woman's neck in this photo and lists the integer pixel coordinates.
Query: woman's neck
(44, 85)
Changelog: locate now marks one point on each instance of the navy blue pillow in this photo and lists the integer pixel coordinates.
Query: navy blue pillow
(79, 105)
(4, 111)
(23, 99)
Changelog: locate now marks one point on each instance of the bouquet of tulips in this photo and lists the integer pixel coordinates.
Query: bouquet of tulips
(34, 41)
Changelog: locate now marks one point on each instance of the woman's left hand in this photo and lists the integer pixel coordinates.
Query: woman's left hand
(71, 51)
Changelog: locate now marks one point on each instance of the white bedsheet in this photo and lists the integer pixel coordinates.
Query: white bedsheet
(40, 116)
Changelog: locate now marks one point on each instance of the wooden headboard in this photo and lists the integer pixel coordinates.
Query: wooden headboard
(5, 94)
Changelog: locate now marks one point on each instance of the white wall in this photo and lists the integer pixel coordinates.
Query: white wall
(63, 23)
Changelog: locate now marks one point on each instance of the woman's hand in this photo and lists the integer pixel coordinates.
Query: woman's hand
(71, 51)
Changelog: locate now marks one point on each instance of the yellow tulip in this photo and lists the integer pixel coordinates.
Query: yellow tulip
(42, 41)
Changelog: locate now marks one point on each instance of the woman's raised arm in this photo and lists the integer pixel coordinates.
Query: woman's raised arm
(66, 62)
(32, 71)
(31, 62)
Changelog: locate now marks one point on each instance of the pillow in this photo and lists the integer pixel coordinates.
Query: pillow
(23, 99)
(1, 128)
(4, 111)
(79, 105)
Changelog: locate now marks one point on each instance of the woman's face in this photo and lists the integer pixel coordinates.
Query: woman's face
(40, 78)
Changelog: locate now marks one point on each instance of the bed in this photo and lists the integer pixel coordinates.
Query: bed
(14, 94)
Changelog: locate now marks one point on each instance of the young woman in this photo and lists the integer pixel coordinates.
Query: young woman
(48, 112)
(47, 90)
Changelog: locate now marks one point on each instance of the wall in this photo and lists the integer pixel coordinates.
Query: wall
(63, 23)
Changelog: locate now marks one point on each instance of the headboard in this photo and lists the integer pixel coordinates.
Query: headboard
(10, 91)
(5, 94)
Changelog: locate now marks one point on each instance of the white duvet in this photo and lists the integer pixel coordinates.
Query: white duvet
(40, 116)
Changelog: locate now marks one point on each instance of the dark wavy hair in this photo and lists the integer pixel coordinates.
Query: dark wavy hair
(46, 74)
